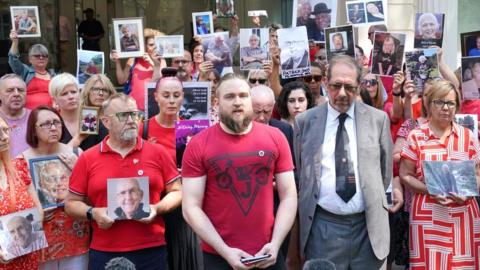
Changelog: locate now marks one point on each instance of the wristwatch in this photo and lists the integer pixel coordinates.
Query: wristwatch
(396, 94)
(90, 214)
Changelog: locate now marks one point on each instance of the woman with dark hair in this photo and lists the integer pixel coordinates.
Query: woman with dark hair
(294, 98)
(67, 238)
(18, 193)
(36, 76)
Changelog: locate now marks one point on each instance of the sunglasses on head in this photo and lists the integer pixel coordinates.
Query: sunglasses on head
(370, 82)
(308, 79)
(255, 80)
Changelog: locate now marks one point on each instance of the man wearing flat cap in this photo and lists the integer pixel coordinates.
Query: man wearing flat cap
(91, 31)
(322, 20)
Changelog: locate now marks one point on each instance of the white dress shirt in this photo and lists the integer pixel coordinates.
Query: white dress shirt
(329, 199)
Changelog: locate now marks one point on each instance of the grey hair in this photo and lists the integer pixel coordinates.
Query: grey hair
(262, 91)
(344, 59)
(120, 96)
(38, 48)
(425, 16)
(10, 76)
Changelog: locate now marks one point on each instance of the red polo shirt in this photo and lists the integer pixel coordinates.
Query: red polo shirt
(89, 179)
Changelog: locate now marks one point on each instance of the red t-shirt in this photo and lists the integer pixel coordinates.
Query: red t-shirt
(37, 93)
(161, 135)
(89, 179)
(238, 196)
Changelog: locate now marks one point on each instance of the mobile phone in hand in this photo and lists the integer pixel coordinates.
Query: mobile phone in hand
(255, 259)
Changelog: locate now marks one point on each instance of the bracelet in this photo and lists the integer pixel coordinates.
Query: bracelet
(396, 94)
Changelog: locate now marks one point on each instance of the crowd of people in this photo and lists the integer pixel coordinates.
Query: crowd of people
(291, 174)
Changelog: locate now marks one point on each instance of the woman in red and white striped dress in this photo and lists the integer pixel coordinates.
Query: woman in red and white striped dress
(444, 229)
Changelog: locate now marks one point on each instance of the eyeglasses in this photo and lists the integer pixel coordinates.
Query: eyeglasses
(97, 90)
(339, 86)
(371, 82)
(441, 103)
(40, 56)
(183, 62)
(49, 124)
(308, 79)
(123, 116)
(255, 80)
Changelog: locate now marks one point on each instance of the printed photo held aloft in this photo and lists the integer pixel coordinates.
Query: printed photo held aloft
(25, 21)
(356, 13)
(375, 11)
(128, 198)
(445, 177)
(315, 15)
(151, 105)
(89, 63)
(469, 121)
(294, 55)
(196, 101)
(202, 23)
(225, 8)
(184, 132)
(89, 120)
(253, 48)
(21, 233)
(470, 43)
(128, 36)
(340, 40)
(387, 56)
(50, 176)
(218, 51)
(169, 46)
(471, 77)
(428, 30)
(421, 66)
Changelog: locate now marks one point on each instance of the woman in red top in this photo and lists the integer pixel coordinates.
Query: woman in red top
(67, 238)
(443, 231)
(140, 70)
(36, 76)
(17, 193)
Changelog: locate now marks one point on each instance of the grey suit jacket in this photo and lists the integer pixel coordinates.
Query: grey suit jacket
(374, 148)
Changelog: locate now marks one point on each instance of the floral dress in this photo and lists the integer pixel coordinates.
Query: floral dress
(21, 201)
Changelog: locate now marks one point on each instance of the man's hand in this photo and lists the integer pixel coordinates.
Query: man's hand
(100, 216)
(13, 36)
(397, 199)
(233, 256)
(270, 249)
(151, 217)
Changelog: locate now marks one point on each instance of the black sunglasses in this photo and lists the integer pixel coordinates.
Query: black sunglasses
(371, 82)
(308, 79)
(254, 81)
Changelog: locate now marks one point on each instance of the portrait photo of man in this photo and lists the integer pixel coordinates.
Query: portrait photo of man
(24, 239)
(322, 20)
(252, 54)
(127, 198)
(129, 40)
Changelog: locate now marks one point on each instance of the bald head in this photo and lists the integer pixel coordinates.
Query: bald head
(263, 101)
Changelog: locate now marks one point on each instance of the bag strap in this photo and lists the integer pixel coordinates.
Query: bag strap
(75, 150)
(145, 130)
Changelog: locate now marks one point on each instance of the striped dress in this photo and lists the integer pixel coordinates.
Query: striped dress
(442, 237)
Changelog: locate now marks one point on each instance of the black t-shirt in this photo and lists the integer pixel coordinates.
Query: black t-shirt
(90, 141)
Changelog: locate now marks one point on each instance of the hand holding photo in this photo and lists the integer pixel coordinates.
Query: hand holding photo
(217, 51)
(89, 63)
(169, 46)
(253, 48)
(184, 132)
(25, 21)
(21, 233)
(421, 66)
(340, 40)
(196, 101)
(128, 198)
(89, 120)
(128, 35)
(50, 176)
(202, 23)
(445, 177)
(387, 56)
(294, 56)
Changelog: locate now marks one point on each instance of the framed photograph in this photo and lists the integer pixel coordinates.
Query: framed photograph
(225, 8)
(470, 43)
(388, 50)
(421, 66)
(89, 63)
(128, 198)
(169, 46)
(294, 56)
(151, 105)
(196, 101)
(356, 13)
(217, 51)
(428, 30)
(315, 15)
(469, 121)
(471, 77)
(444, 177)
(89, 120)
(184, 131)
(202, 23)
(50, 176)
(340, 40)
(25, 21)
(376, 12)
(21, 233)
(128, 35)
(253, 47)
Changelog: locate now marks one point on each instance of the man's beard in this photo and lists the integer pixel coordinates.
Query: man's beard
(237, 126)
(129, 135)
(182, 74)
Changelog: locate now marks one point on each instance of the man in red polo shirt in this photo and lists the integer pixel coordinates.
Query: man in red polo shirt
(122, 154)
(227, 175)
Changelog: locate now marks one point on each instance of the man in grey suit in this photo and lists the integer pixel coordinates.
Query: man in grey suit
(343, 155)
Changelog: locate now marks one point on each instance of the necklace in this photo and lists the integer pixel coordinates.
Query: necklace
(44, 73)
